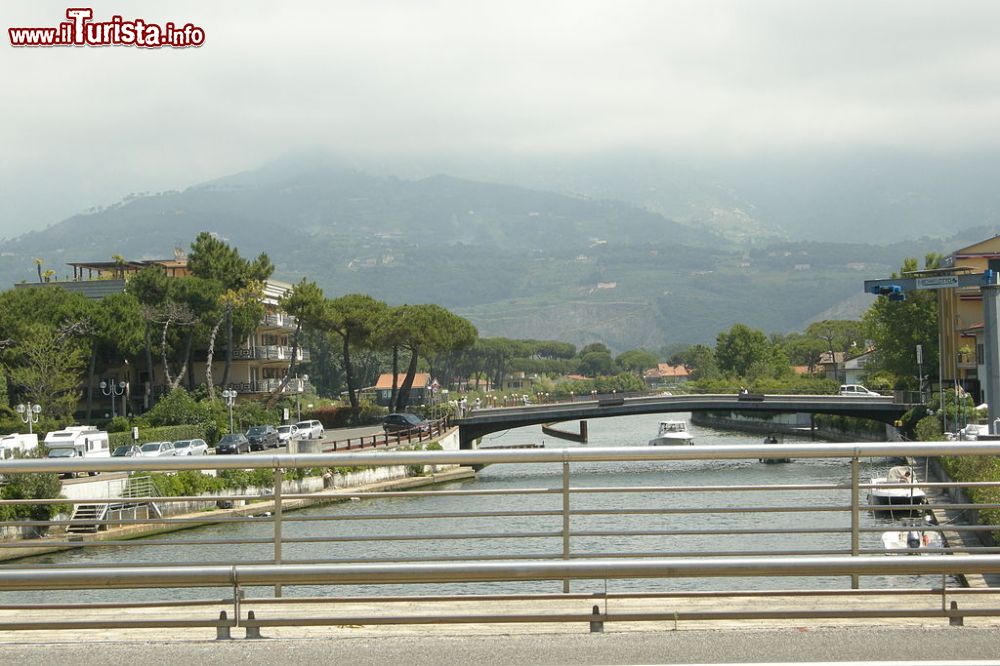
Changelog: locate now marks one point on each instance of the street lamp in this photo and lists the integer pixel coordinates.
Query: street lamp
(29, 414)
(229, 395)
(113, 390)
(302, 387)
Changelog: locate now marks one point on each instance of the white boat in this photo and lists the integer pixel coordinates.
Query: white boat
(909, 542)
(912, 540)
(901, 499)
(672, 433)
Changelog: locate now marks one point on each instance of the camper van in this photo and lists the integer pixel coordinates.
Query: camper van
(78, 442)
(16, 444)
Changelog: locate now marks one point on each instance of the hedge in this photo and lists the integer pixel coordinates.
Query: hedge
(158, 434)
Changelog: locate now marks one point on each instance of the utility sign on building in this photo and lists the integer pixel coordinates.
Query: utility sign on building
(943, 282)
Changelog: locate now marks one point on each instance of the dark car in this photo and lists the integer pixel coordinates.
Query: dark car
(262, 437)
(233, 443)
(403, 423)
(126, 451)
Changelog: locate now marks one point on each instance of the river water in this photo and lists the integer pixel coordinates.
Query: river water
(621, 431)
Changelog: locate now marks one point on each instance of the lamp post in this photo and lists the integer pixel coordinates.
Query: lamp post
(302, 388)
(229, 395)
(29, 414)
(113, 390)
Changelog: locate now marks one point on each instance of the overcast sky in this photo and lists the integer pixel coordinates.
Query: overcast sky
(386, 79)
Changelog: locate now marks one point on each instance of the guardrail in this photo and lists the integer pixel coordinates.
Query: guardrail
(515, 524)
(433, 430)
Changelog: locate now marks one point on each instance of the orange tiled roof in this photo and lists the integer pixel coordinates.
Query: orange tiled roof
(420, 380)
(665, 370)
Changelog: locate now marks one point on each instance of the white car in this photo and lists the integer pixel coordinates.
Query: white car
(858, 391)
(287, 432)
(157, 450)
(190, 447)
(310, 429)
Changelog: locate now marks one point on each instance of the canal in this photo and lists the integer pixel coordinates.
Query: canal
(622, 431)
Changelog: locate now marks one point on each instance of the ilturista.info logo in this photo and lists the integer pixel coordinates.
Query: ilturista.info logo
(80, 29)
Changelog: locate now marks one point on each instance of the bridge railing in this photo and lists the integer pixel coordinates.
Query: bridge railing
(537, 545)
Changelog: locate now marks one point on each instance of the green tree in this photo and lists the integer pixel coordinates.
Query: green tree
(306, 303)
(597, 363)
(46, 368)
(118, 335)
(845, 336)
(897, 327)
(699, 361)
(242, 280)
(420, 329)
(353, 318)
(740, 348)
(637, 361)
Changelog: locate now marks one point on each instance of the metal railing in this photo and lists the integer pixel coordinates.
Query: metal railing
(433, 430)
(552, 532)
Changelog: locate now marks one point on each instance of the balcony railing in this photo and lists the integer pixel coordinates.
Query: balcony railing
(282, 321)
(270, 353)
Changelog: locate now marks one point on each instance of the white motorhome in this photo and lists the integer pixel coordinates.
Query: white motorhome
(14, 443)
(78, 442)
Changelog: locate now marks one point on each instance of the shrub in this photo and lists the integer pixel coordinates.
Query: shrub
(164, 433)
(31, 486)
(929, 429)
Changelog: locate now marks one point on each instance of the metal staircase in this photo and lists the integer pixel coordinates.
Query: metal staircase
(85, 518)
(88, 518)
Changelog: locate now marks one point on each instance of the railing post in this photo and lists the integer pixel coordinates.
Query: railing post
(855, 516)
(278, 479)
(565, 519)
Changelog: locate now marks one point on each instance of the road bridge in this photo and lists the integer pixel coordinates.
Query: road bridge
(485, 421)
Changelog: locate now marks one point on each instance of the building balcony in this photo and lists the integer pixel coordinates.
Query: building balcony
(260, 386)
(280, 321)
(270, 353)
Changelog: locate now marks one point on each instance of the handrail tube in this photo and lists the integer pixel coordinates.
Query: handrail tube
(471, 572)
(480, 457)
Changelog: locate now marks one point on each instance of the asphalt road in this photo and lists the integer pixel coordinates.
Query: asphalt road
(911, 645)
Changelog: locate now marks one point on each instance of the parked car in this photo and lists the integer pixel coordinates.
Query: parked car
(287, 432)
(403, 423)
(157, 450)
(191, 447)
(858, 391)
(126, 451)
(233, 443)
(310, 429)
(262, 437)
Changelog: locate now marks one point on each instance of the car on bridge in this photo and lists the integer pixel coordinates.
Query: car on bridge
(858, 391)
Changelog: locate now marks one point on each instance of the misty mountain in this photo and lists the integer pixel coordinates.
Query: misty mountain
(876, 196)
(518, 262)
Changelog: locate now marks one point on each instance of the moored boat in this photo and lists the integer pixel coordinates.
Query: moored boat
(900, 499)
(672, 433)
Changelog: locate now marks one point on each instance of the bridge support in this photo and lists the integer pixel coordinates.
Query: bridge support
(564, 434)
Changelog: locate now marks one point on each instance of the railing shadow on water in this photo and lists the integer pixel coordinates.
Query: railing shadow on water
(534, 536)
